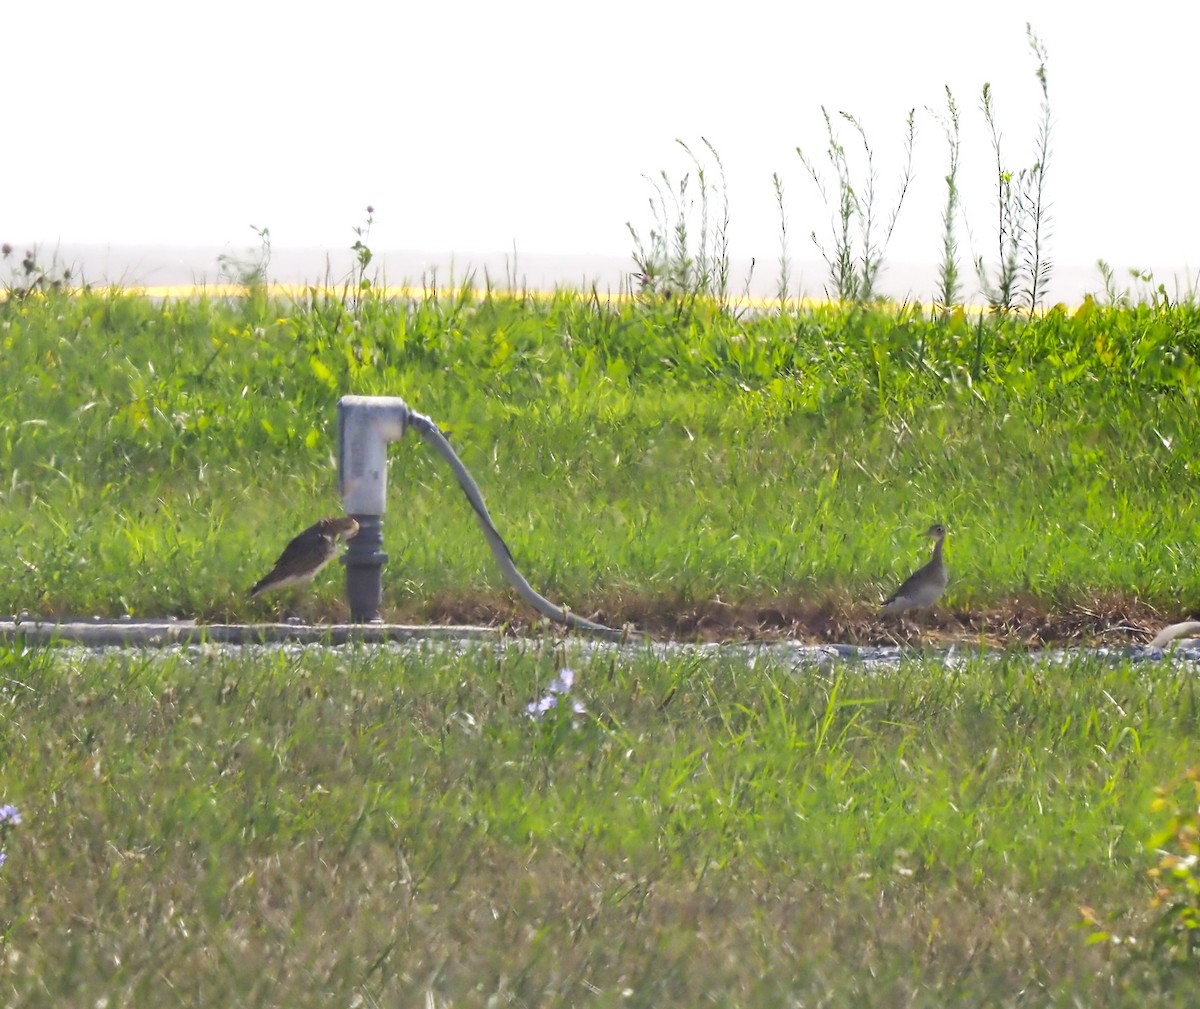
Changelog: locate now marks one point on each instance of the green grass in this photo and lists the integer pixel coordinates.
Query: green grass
(292, 827)
(306, 827)
(638, 458)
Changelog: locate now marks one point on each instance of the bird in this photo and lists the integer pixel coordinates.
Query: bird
(306, 554)
(925, 586)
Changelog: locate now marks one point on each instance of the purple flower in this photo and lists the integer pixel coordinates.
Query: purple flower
(563, 682)
(560, 685)
(540, 707)
(10, 816)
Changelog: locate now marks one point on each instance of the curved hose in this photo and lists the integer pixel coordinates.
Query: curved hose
(1170, 633)
(431, 433)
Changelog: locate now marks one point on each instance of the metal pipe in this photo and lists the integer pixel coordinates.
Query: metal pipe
(364, 560)
(365, 426)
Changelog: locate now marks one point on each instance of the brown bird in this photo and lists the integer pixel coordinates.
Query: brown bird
(925, 586)
(307, 554)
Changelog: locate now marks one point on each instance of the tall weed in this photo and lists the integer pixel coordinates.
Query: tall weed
(857, 251)
(1023, 268)
(949, 284)
(685, 253)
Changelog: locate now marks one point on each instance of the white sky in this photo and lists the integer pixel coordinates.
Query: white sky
(471, 126)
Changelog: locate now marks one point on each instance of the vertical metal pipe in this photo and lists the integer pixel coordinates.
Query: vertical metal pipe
(366, 424)
(364, 559)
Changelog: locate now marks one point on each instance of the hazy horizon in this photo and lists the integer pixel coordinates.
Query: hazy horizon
(481, 127)
(152, 265)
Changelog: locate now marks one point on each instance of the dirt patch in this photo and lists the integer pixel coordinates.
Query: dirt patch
(1032, 623)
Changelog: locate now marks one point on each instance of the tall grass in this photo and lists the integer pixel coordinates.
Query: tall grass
(857, 251)
(158, 454)
(861, 229)
(686, 252)
(252, 269)
(1024, 268)
(374, 827)
(949, 283)
(785, 266)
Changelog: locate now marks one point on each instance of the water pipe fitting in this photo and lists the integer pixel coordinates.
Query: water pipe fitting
(366, 424)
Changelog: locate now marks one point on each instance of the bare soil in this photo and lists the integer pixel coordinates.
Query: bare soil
(1031, 623)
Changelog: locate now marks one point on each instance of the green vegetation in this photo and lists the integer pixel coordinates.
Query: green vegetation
(308, 827)
(643, 459)
(688, 238)
(688, 826)
(856, 254)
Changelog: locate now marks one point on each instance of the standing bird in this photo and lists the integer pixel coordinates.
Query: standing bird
(925, 586)
(307, 554)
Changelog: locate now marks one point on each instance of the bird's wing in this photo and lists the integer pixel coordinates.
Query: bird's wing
(906, 585)
(306, 554)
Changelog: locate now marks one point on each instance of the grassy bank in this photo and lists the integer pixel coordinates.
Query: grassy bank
(304, 827)
(644, 461)
(299, 827)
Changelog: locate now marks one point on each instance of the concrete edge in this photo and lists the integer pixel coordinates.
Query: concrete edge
(162, 633)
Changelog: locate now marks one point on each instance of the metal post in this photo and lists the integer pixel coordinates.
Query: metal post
(366, 424)
(364, 559)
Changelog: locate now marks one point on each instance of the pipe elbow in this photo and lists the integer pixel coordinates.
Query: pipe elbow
(366, 424)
